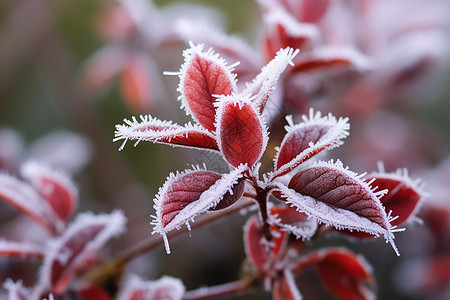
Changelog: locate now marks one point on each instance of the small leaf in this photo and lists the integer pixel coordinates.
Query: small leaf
(297, 223)
(24, 198)
(404, 195)
(186, 195)
(338, 197)
(306, 139)
(255, 249)
(203, 76)
(347, 275)
(332, 57)
(20, 250)
(241, 134)
(265, 82)
(163, 132)
(285, 288)
(259, 251)
(76, 248)
(55, 187)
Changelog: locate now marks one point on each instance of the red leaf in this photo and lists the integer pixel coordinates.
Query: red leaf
(403, 197)
(254, 245)
(304, 140)
(258, 250)
(295, 222)
(76, 249)
(203, 76)
(55, 187)
(241, 135)
(338, 197)
(135, 83)
(186, 195)
(162, 132)
(331, 57)
(346, 274)
(285, 288)
(23, 197)
(20, 250)
(284, 31)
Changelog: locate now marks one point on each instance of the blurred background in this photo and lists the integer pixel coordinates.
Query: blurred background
(71, 70)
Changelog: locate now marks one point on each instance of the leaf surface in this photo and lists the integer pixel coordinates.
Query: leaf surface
(203, 76)
(304, 140)
(241, 134)
(186, 195)
(163, 132)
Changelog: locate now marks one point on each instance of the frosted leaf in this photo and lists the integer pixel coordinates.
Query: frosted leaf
(338, 197)
(20, 250)
(164, 132)
(54, 186)
(258, 250)
(329, 57)
(166, 288)
(404, 196)
(24, 198)
(306, 139)
(346, 274)
(285, 287)
(241, 134)
(186, 195)
(297, 223)
(16, 290)
(203, 76)
(285, 31)
(76, 248)
(265, 82)
(308, 11)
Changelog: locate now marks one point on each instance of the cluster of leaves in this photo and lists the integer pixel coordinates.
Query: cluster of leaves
(305, 195)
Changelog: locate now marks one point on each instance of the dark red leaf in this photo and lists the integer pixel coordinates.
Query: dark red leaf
(338, 197)
(346, 274)
(306, 139)
(402, 198)
(76, 249)
(204, 75)
(231, 198)
(55, 187)
(162, 132)
(184, 196)
(241, 134)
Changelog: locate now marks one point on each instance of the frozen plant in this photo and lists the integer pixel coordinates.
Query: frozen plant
(296, 198)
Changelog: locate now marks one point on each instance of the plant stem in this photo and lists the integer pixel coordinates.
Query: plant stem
(226, 289)
(113, 267)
